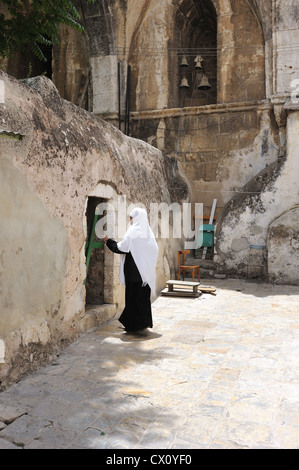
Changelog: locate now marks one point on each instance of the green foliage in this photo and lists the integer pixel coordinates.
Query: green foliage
(29, 24)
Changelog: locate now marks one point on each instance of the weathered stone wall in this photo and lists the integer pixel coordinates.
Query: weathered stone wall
(263, 214)
(267, 217)
(150, 37)
(72, 77)
(241, 56)
(244, 221)
(65, 156)
(238, 133)
(152, 40)
(283, 248)
(285, 45)
(220, 148)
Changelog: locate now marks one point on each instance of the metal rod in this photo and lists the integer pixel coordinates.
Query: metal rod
(127, 112)
(129, 86)
(119, 103)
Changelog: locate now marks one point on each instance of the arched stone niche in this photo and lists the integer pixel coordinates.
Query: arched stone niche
(241, 56)
(194, 53)
(150, 37)
(227, 33)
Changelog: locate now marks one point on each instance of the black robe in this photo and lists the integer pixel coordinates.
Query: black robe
(137, 313)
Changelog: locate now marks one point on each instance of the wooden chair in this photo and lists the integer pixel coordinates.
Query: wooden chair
(183, 268)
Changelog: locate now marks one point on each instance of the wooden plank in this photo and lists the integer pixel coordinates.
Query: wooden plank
(179, 293)
(205, 218)
(182, 283)
(182, 289)
(199, 288)
(213, 211)
(187, 288)
(207, 288)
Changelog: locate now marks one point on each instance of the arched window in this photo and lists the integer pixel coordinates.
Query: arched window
(195, 47)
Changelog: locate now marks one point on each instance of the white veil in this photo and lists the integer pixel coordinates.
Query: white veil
(140, 241)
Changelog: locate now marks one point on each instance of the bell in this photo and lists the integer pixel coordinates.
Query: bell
(198, 60)
(204, 83)
(184, 83)
(184, 62)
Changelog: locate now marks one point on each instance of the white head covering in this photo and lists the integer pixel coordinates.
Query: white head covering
(140, 241)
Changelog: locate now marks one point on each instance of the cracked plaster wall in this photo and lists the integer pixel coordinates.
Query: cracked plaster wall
(265, 214)
(65, 156)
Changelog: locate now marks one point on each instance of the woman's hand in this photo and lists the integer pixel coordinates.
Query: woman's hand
(106, 238)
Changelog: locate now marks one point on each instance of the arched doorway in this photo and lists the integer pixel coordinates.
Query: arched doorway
(94, 281)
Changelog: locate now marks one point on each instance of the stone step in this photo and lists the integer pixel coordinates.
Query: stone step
(208, 267)
(204, 263)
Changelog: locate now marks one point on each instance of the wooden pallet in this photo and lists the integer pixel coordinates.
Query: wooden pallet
(179, 293)
(186, 289)
(181, 289)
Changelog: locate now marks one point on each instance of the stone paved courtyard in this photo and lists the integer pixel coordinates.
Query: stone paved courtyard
(216, 372)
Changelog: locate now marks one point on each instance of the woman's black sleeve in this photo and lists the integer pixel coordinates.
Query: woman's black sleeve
(112, 245)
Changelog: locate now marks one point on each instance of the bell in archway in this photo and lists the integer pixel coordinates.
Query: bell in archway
(198, 60)
(184, 83)
(184, 62)
(204, 83)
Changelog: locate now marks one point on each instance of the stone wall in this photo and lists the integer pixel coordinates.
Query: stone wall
(223, 138)
(265, 214)
(233, 132)
(61, 157)
(220, 147)
(283, 248)
(236, 131)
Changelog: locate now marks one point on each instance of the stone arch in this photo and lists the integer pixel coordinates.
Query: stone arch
(147, 36)
(232, 38)
(241, 55)
(239, 44)
(155, 76)
(195, 36)
(147, 54)
(218, 5)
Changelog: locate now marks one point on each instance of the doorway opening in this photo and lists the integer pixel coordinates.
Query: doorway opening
(94, 252)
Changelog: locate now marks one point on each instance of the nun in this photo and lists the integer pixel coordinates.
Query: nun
(139, 252)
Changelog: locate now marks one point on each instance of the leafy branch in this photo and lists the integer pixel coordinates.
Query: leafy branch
(29, 24)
